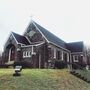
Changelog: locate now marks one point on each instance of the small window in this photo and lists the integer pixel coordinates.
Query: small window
(49, 52)
(29, 54)
(75, 57)
(31, 33)
(60, 55)
(26, 54)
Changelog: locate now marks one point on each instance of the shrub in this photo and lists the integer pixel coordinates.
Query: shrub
(60, 64)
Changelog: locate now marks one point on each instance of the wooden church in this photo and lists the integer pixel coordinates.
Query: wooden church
(41, 49)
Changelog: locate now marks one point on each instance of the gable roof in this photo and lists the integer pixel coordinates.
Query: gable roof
(50, 37)
(75, 46)
(20, 39)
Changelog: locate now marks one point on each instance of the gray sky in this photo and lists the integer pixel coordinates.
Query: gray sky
(68, 19)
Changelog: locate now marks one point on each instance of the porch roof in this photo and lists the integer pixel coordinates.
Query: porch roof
(21, 39)
(75, 46)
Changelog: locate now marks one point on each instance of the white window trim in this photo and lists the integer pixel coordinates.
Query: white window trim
(26, 54)
(62, 55)
(29, 54)
(75, 60)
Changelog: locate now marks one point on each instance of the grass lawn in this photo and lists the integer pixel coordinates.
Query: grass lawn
(85, 73)
(41, 79)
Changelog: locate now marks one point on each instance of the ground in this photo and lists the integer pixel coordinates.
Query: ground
(41, 79)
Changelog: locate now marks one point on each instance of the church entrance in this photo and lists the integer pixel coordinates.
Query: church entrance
(10, 53)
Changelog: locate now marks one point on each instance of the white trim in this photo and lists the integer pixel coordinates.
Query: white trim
(14, 38)
(33, 53)
(40, 32)
(27, 39)
(9, 55)
(8, 63)
(62, 55)
(55, 53)
(29, 54)
(70, 58)
(67, 57)
(26, 54)
(39, 44)
(75, 60)
(33, 45)
(7, 39)
(11, 34)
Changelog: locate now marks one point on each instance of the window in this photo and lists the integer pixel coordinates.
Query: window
(75, 57)
(60, 55)
(31, 33)
(49, 52)
(26, 54)
(29, 54)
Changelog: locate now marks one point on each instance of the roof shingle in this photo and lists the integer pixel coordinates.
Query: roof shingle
(75, 46)
(21, 39)
(51, 37)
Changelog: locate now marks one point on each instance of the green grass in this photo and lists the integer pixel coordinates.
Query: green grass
(84, 73)
(41, 79)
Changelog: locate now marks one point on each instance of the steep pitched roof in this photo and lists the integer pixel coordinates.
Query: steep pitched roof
(50, 37)
(75, 46)
(21, 39)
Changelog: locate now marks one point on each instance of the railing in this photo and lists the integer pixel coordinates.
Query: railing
(80, 71)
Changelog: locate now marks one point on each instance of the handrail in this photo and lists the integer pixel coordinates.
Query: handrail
(77, 65)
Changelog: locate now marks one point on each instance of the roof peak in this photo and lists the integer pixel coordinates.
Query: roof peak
(49, 36)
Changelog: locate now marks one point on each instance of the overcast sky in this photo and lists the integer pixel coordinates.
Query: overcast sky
(68, 19)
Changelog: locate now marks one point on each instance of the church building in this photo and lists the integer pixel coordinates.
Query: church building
(41, 49)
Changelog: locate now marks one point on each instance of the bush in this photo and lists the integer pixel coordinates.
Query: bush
(77, 65)
(60, 64)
